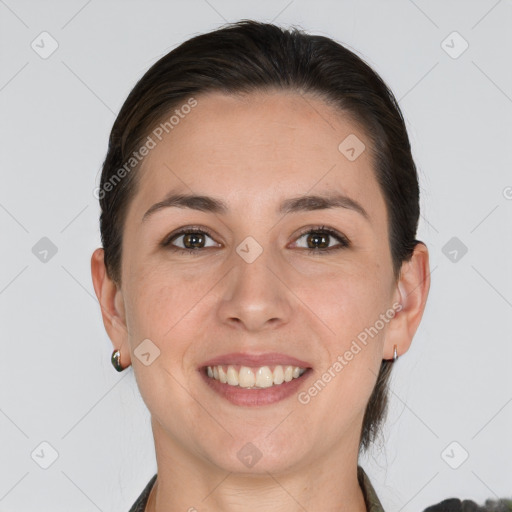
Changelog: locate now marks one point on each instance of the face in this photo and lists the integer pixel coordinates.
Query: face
(270, 273)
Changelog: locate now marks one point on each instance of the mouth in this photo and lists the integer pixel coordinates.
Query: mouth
(250, 380)
(256, 377)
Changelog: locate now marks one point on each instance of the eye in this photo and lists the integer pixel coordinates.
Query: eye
(192, 240)
(318, 241)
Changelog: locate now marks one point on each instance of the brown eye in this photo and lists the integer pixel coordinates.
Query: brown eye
(193, 240)
(188, 239)
(320, 239)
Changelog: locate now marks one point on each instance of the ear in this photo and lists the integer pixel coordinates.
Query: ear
(111, 302)
(411, 292)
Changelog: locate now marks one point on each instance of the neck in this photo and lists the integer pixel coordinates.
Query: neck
(188, 483)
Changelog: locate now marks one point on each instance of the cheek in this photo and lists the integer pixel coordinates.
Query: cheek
(351, 306)
(162, 301)
(349, 298)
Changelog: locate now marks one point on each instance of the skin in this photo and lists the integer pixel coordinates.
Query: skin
(252, 152)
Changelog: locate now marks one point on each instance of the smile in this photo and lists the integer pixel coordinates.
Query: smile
(254, 377)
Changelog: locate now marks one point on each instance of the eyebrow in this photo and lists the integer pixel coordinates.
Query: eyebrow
(292, 205)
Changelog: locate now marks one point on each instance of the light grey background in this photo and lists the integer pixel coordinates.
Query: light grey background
(56, 381)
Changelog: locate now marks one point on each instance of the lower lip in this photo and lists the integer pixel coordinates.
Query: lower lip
(252, 397)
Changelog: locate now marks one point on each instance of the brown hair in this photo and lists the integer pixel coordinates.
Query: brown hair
(250, 56)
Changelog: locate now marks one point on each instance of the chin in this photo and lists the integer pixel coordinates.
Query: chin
(257, 457)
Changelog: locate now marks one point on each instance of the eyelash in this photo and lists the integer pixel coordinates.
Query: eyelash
(344, 242)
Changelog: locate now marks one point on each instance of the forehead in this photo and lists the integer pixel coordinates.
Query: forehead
(258, 148)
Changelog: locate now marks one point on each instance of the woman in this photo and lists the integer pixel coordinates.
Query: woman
(259, 267)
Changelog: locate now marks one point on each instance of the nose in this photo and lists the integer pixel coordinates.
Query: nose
(255, 295)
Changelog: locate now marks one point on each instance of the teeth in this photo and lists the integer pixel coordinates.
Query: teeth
(278, 375)
(232, 377)
(246, 378)
(262, 377)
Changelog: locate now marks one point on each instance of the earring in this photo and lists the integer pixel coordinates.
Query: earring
(395, 355)
(116, 360)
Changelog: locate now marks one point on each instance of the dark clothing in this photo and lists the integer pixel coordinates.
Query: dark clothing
(456, 505)
(140, 504)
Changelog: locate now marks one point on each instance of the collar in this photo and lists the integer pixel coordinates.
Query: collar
(373, 503)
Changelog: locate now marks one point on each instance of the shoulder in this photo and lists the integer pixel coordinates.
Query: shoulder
(456, 505)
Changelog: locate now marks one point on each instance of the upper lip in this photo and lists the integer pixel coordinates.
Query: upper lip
(268, 359)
